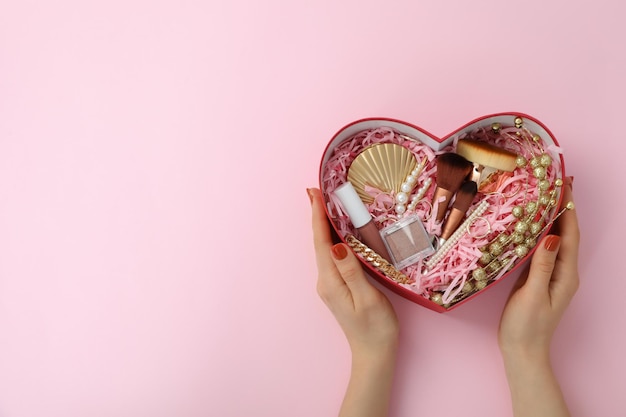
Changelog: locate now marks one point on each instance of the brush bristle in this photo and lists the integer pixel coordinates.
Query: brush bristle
(486, 154)
(452, 170)
(465, 196)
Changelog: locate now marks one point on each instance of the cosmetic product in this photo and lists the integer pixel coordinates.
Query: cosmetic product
(407, 241)
(463, 200)
(452, 169)
(445, 248)
(361, 219)
(384, 166)
(491, 164)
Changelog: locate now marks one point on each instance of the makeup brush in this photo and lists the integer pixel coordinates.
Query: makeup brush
(462, 203)
(451, 172)
(486, 157)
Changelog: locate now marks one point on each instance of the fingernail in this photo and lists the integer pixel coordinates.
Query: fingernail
(552, 243)
(339, 251)
(310, 194)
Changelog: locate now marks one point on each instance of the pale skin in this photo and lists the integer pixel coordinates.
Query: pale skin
(528, 322)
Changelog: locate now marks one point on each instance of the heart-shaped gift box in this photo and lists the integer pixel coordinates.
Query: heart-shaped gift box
(497, 223)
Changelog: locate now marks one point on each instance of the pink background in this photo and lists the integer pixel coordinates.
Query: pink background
(155, 246)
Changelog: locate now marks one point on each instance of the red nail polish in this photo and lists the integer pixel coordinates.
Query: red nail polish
(339, 251)
(552, 243)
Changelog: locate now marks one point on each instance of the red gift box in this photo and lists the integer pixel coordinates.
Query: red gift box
(519, 206)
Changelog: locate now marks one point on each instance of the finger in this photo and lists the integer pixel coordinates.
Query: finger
(322, 240)
(329, 281)
(353, 275)
(567, 225)
(566, 280)
(542, 264)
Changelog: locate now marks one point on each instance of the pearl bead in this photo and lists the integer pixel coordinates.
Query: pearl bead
(411, 180)
(535, 227)
(539, 172)
(521, 251)
(479, 274)
(400, 209)
(517, 237)
(406, 188)
(521, 227)
(517, 211)
(543, 185)
(531, 207)
(518, 122)
(402, 198)
(520, 161)
(545, 160)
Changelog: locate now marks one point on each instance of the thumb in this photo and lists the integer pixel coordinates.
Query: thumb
(352, 273)
(542, 264)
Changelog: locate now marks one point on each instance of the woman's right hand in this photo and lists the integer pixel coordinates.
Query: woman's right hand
(536, 305)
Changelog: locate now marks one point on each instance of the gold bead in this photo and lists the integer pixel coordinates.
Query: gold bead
(543, 185)
(535, 227)
(518, 122)
(517, 237)
(521, 251)
(543, 199)
(517, 211)
(479, 274)
(570, 205)
(531, 207)
(495, 127)
(539, 172)
(520, 161)
(545, 160)
(481, 284)
(530, 242)
(467, 287)
(503, 238)
(436, 298)
(536, 138)
(535, 162)
(558, 182)
(495, 249)
(521, 227)
(485, 258)
(494, 266)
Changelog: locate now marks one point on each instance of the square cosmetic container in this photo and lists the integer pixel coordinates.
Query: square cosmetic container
(407, 241)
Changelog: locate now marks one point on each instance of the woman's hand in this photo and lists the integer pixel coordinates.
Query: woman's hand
(532, 314)
(365, 315)
(536, 305)
(363, 312)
